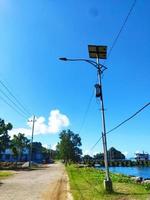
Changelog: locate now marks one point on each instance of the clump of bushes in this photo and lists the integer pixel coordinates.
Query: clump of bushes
(120, 178)
(146, 186)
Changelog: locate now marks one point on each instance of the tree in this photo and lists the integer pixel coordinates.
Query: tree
(87, 158)
(99, 156)
(18, 143)
(68, 147)
(4, 137)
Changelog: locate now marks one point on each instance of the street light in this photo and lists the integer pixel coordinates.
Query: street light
(99, 52)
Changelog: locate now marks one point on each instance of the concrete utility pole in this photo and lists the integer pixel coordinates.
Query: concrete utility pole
(30, 155)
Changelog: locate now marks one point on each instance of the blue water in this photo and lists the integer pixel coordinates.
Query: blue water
(133, 171)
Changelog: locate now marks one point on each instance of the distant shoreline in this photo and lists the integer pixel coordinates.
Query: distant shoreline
(119, 163)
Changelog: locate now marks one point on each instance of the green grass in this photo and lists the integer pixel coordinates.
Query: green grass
(4, 174)
(87, 184)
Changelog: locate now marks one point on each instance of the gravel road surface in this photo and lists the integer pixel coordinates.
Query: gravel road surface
(50, 183)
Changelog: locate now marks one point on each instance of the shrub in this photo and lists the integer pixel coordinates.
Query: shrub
(146, 186)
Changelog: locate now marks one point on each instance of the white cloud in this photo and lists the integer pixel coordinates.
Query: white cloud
(15, 131)
(56, 122)
(40, 126)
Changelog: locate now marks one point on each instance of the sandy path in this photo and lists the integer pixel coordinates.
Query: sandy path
(42, 184)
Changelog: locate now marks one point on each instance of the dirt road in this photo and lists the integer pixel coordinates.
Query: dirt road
(43, 184)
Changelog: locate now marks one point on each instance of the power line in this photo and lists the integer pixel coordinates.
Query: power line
(121, 29)
(86, 112)
(19, 103)
(128, 118)
(12, 107)
(132, 116)
(110, 51)
(96, 143)
(15, 105)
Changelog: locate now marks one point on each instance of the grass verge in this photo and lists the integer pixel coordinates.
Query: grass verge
(87, 184)
(5, 174)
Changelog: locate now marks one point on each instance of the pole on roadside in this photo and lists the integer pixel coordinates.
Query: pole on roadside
(30, 155)
(107, 180)
(99, 52)
(50, 153)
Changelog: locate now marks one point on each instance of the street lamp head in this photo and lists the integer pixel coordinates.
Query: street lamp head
(64, 59)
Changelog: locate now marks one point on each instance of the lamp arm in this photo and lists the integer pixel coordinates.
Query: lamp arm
(95, 64)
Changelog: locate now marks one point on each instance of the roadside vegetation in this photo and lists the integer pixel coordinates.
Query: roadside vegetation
(5, 174)
(87, 184)
(68, 148)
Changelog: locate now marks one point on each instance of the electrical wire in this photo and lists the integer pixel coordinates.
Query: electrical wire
(86, 112)
(12, 95)
(132, 116)
(96, 143)
(13, 107)
(122, 27)
(110, 51)
(128, 118)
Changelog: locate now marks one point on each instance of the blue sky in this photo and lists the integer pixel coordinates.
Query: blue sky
(34, 34)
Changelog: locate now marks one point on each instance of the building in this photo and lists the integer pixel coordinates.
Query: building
(8, 156)
(37, 156)
(142, 156)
